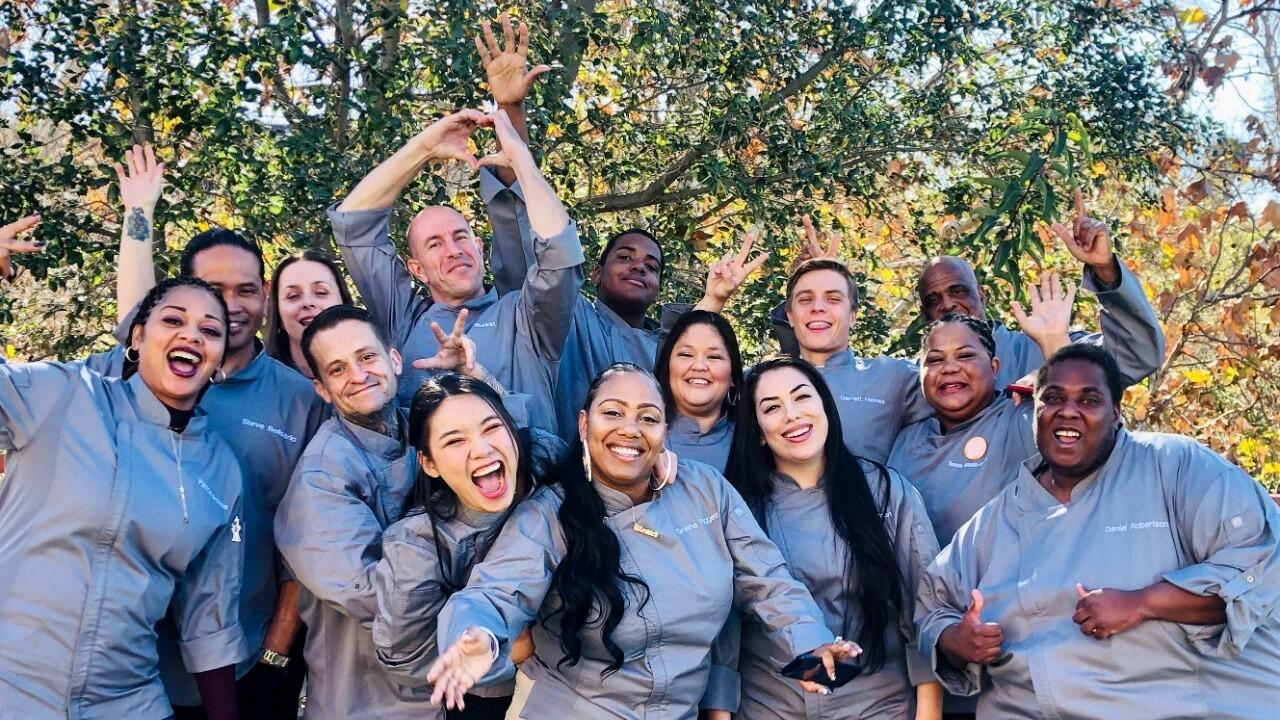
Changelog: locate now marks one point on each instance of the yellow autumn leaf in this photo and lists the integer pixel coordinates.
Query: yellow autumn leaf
(1192, 16)
(1198, 376)
(1248, 448)
(1099, 168)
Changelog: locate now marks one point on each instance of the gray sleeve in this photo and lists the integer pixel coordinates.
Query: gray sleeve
(550, 291)
(763, 586)
(206, 601)
(108, 363)
(724, 685)
(511, 245)
(121, 333)
(331, 541)
(667, 317)
(410, 594)
(506, 590)
(30, 393)
(915, 406)
(914, 547)
(1130, 329)
(782, 330)
(1230, 525)
(941, 600)
(380, 275)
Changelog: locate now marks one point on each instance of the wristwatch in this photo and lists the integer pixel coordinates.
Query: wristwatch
(274, 659)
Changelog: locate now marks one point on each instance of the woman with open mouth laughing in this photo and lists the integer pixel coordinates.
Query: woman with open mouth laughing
(854, 532)
(700, 371)
(120, 498)
(475, 465)
(629, 566)
(1121, 574)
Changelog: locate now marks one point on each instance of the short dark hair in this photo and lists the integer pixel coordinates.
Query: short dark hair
(213, 238)
(1090, 353)
(608, 247)
(816, 264)
(981, 328)
(662, 368)
(277, 340)
(328, 318)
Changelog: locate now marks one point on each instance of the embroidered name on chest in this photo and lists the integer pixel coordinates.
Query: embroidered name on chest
(862, 399)
(1146, 525)
(701, 523)
(267, 427)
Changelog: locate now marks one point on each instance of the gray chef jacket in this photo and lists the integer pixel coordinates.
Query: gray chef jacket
(799, 521)
(94, 547)
(877, 397)
(960, 471)
(519, 336)
(266, 412)
(686, 440)
(710, 555)
(1162, 507)
(597, 337)
(350, 485)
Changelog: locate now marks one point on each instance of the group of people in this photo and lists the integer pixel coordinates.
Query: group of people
(455, 494)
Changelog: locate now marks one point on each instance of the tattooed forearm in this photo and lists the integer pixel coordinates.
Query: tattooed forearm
(138, 226)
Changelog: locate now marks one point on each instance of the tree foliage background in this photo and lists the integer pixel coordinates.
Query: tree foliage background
(910, 127)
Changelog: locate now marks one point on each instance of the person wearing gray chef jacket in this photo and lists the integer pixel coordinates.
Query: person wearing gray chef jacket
(474, 465)
(354, 480)
(854, 532)
(965, 454)
(629, 565)
(120, 504)
(1123, 574)
(699, 369)
(519, 336)
(263, 409)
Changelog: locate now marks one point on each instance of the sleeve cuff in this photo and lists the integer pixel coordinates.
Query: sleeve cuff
(225, 647)
(1243, 615)
(561, 252)
(724, 687)
(1089, 281)
(807, 635)
(121, 333)
(356, 228)
(490, 186)
(919, 671)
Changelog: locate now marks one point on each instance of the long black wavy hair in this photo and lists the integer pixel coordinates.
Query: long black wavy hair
(872, 577)
(433, 496)
(662, 368)
(589, 578)
(153, 298)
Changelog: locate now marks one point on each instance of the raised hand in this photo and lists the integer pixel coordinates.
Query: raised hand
(459, 668)
(1089, 241)
(1049, 323)
(9, 242)
(446, 138)
(511, 148)
(972, 640)
(814, 246)
(830, 654)
(457, 351)
(726, 275)
(1104, 612)
(507, 66)
(141, 181)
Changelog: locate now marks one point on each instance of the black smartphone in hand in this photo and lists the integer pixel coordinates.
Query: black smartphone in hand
(809, 667)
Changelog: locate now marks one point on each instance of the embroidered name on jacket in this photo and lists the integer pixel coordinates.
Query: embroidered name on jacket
(269, 428)
(1148, 525)
(861, 398)
(701, 523)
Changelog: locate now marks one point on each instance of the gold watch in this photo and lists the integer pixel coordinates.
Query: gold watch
(274, 659)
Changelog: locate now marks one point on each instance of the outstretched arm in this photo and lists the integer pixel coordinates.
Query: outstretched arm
(506, 68)
(141, 180)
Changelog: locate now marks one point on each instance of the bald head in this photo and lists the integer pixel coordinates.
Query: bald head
(445, 255)
(948, 284)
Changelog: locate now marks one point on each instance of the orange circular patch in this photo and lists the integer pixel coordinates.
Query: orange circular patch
(976, 448)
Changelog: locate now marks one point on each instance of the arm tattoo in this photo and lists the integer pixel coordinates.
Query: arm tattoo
(138, 226)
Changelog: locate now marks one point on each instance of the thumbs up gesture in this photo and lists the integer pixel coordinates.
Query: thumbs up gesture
(971, 640)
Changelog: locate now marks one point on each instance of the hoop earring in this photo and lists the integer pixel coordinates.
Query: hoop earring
(218, 377)
(733, 396)
(136, 356)
(586, 462)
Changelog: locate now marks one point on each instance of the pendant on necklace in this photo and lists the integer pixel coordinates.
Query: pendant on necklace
(644, 530)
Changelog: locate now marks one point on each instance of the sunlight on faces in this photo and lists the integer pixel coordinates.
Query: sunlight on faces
(306, 287)
(792, 420)
(472, 450)
(949, 286)
(180, 346)
(1076, 418)
(821, 311)
(445, 255)
(624, 430)
(957, 374)
(631, 273)
(357, 372)
(699, 371)
(235, 273)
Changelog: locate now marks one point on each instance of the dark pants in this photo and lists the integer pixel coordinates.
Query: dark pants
(266, 692)
(481, 708)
